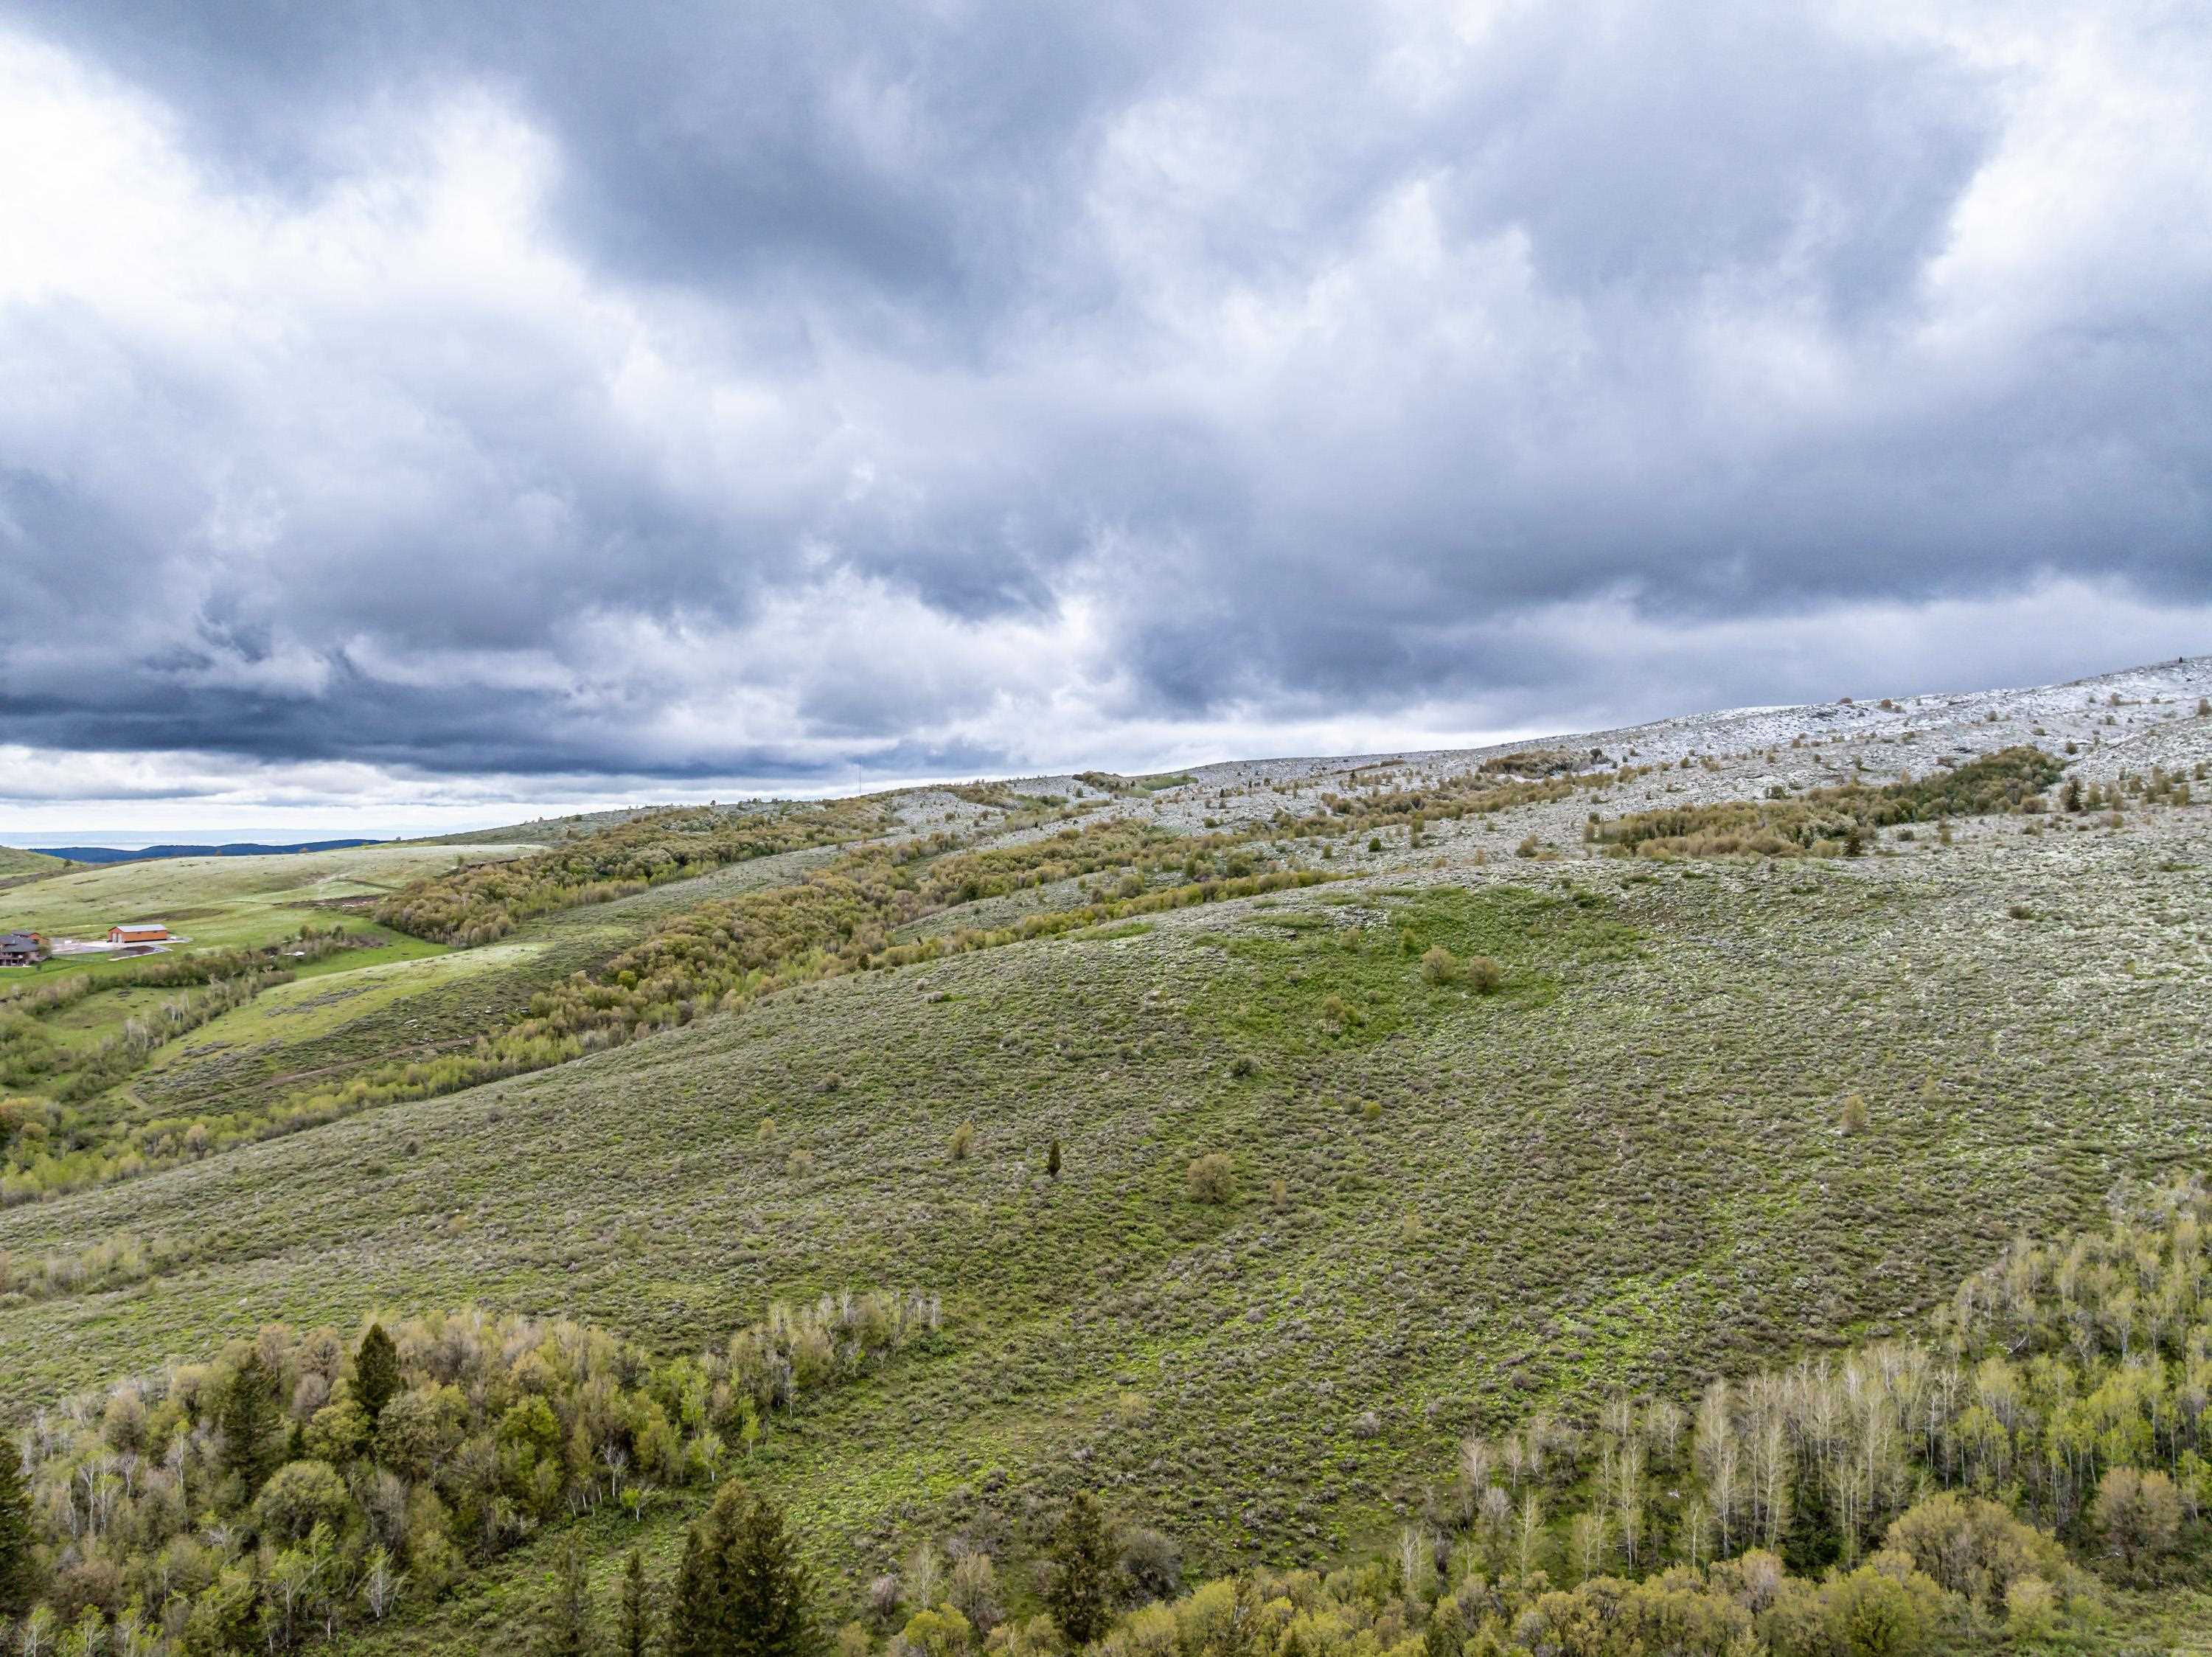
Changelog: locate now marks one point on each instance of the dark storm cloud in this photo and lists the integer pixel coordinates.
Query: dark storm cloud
(763, 390)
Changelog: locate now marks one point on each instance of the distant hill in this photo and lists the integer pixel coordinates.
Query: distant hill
(235, 848)
(15, 862)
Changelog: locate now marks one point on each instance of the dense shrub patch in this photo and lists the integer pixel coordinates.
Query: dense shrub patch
(1837, 819)
(477, 905)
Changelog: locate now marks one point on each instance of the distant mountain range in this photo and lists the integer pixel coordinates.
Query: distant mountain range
(235, 848)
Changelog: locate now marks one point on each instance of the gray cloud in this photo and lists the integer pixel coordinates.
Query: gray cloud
(771, 393)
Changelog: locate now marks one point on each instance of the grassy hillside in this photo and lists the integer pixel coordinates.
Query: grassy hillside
(18, 865)
(1503, 1133)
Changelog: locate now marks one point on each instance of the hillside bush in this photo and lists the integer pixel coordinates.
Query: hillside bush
(1212, 1179)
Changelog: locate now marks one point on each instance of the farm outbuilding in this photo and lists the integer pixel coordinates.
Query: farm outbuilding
(138, 932)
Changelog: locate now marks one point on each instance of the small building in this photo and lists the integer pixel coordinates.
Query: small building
(138, 932)
(22, 949)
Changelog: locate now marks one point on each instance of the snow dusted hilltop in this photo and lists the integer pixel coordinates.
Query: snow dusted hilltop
(2133, 720)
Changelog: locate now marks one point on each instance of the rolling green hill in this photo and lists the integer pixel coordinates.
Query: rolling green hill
(1502, 1119)
(17, 865)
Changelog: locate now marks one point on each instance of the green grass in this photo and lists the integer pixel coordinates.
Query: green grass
(436, 1001)
(346, 989)
(1623, 1169)
(15, 863)
(1297, 984)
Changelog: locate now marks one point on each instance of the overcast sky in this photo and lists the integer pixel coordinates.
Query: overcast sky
(421, 413)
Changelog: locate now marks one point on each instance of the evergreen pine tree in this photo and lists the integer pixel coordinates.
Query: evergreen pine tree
(742, 1590)
(247, 1416)
(1082, 1576)
(634, 1624)
(1052, 1158)
(566, 1631)
(375, 1373)
(17, 1571)
(1442, 1637)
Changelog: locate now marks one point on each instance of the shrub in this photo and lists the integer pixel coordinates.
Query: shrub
(1150, 1565)
(1855, 1120)
(1212, 1179)
(299, 1496)
(2031, 1608)
(1485, 975)
(491, 1426)
(1974, 1548)
(2138, 1514)
(974, 1590)
(1844, 819)
(963, 1141)
(478, 903)
(1440, 965)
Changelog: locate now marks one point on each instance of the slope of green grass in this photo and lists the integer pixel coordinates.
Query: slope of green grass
(1623, 1170)
(15, 863)
(386, 996)
(446, 1003)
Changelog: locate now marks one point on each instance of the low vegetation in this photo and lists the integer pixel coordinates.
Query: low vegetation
(19, 865)
(486, 901)
(1836, 821)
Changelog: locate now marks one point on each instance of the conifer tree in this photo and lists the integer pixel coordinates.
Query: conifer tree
(248, 1418)
(375, 1373)
(633, 1621)
(1052, 1158)
(17, 1575)
(1443, 1637)
(742, 1590)
(1079, 1592)
(567, 1629)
